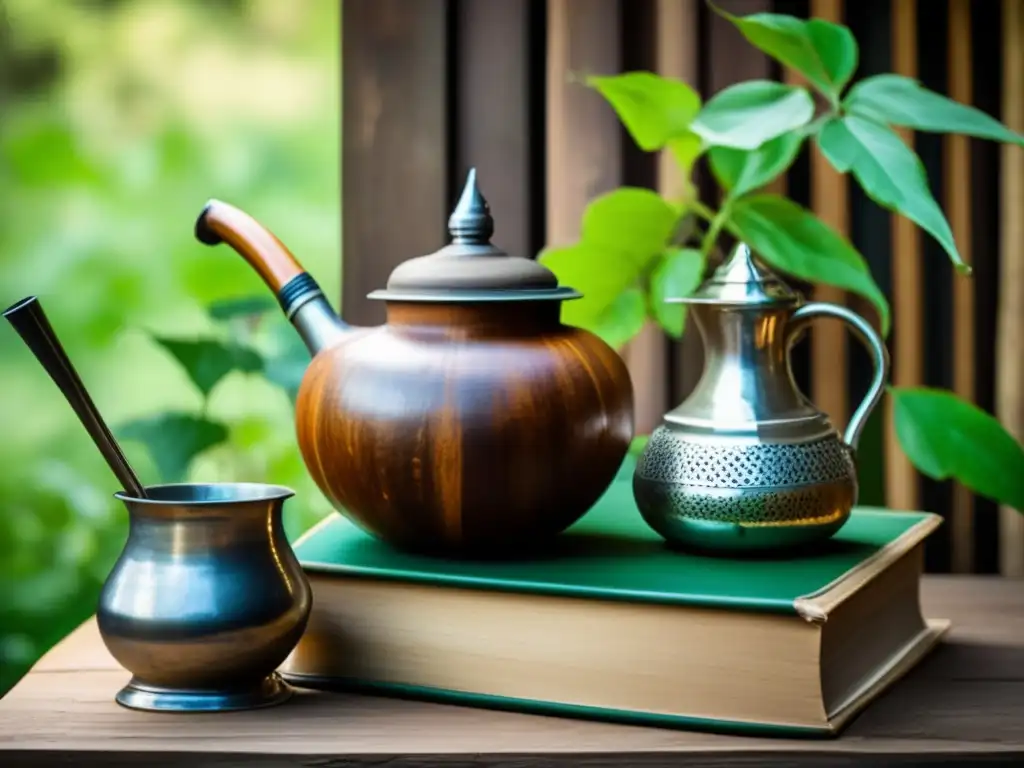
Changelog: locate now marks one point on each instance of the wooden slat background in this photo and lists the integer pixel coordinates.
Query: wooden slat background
(907, 284)
(433, 87)
(1010, 332)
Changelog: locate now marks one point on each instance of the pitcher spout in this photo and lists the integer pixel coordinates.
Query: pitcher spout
(301, 299)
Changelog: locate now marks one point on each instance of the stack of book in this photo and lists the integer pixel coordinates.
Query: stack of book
(609, 623)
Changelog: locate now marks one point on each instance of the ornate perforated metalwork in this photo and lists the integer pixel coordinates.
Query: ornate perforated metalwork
(815, 504)
(671, 458)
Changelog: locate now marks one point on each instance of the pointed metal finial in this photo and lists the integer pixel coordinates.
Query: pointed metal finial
(742, 279)
(471, 222)
(740, 267)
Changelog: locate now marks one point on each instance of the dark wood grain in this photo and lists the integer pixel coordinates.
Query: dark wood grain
(395, 127)
(498, 102)
(963, 706)
(470, 428)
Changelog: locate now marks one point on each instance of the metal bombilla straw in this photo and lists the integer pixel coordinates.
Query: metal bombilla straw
(30, 321)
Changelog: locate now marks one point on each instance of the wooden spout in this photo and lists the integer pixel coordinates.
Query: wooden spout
(300, 297)
(223, 223)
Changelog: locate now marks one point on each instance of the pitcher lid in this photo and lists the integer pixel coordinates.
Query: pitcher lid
(470, 267)
(742, 280)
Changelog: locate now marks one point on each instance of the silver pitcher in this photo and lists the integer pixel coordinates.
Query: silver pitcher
(206, 600)
(747, 462)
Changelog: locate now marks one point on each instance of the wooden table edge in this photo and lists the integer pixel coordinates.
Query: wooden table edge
(82, 651)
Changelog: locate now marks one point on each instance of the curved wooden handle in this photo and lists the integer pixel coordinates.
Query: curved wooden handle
(220, 222)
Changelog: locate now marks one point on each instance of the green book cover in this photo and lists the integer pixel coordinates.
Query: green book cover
(611, 554)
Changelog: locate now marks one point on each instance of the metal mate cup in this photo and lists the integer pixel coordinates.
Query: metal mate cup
(206, 599)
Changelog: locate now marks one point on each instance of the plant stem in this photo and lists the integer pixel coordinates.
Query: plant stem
(702, 210)
(715, 229)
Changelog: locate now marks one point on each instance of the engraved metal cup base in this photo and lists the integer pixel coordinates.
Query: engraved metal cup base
(743, 496)
(270, 691)
(749, 521)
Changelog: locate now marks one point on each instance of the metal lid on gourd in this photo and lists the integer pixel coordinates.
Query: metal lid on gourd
(470, 267)
(741, 280)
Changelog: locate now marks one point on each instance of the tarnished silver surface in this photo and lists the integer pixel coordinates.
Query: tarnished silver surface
(206, 600)
(871, 341)
(747, 462)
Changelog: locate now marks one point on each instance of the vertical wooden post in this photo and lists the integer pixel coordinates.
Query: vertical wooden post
(957, 186)
(1010, 331)
(647, 355)
(908, 362)
(830, 201)
(677, 55)
(494, 115)
(584, 138)
(585, 159)
(394, 142)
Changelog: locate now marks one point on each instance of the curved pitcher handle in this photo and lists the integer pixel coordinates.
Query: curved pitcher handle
(867, 336)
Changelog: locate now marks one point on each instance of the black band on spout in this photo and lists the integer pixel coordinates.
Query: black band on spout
(296, 290)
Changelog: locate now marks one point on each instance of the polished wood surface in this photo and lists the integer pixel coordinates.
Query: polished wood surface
(223, 223)
(963, 706)
(469, 428)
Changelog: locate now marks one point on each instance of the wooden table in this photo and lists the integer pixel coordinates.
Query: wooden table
(963, 706)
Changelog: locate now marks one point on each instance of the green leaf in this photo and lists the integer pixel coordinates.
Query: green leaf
(740, 171)
(623, 319)
(173, 440)
(676, 274)
(207, 361)
(947, 437)
(794, 240)
(243, 306)
(634, 221)
(685, 150)
(623, 231)
(890, 172)
(898, 100)
(748, 114)
(600, 274)
(654, 109)
(823, 52)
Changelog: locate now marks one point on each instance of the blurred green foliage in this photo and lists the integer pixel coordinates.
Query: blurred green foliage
(120, 119)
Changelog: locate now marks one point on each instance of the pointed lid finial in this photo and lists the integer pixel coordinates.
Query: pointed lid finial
(471, 222)
(742, 280)
(470, 267)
